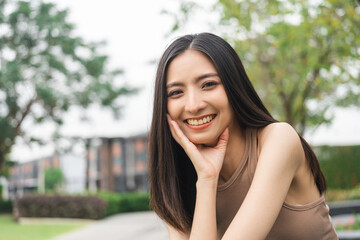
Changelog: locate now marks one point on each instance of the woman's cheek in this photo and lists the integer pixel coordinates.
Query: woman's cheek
(172, 111)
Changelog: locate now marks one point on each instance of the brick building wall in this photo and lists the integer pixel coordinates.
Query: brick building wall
(117, 164)
(28, 177)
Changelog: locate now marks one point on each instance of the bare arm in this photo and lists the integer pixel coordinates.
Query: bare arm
(175, 234)
(280, 157)
(204, 222)
(207, 162)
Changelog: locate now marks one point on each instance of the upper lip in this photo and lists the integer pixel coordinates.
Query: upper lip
(200, 117)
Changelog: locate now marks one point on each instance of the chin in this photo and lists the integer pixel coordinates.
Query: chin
(204, 141)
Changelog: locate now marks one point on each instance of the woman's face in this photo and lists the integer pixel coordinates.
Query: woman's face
(196, 98)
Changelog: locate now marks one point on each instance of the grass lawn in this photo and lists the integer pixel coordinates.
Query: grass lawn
(10, 230)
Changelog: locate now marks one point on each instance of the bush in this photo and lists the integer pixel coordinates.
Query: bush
(354, 193)
(89, 207)
(340, 165)
(5, 206)
(53, 178)
(125, 202)
(334, 195)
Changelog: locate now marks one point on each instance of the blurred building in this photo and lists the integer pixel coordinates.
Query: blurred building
(117, 164)
(4, 192)
(28, 177)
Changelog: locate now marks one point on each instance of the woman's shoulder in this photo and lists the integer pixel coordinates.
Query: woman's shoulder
(280, 145)
(279, 134)
(277, 129)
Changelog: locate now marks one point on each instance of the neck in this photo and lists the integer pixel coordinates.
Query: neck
(234, 152)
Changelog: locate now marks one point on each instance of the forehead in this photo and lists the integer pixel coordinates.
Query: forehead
(189, 64)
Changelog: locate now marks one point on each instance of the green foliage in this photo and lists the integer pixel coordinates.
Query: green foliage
(341, 166)
(335, 195)
(186, 7)
(89, 207)
(45, 68)
(355, 193)
(5, 206)
(297, 54)
(125, 202)
(53, 179)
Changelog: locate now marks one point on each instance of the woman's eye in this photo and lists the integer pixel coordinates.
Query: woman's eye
(174, 93)
(209, 84)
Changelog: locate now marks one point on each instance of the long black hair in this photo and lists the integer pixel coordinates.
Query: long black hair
(171, 173)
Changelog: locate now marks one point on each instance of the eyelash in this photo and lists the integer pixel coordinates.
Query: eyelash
(205, 85)
(209, 84)
(173, 93)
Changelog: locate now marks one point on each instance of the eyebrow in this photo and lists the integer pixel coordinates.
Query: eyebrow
(206, 75)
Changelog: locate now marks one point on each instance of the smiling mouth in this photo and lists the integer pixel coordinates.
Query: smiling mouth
(201, 121)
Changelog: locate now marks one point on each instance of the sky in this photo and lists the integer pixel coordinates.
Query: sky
(136, 34)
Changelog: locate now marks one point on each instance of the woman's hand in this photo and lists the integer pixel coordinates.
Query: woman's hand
(206, 160)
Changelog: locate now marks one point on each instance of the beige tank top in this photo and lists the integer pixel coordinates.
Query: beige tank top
(304, 222)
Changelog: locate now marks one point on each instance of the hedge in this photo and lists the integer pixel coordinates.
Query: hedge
(89, 207)
(125, 202)
(340, 165)
(5, 206)
(334, 195)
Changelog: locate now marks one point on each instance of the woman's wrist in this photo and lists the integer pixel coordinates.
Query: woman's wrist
(207, 182)
(204, 222)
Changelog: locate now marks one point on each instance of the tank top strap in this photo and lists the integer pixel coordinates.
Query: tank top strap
(242, 167)
(253, 152)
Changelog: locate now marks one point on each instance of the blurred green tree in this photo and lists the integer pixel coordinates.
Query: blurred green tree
(302, 56)
(45, 69)
(53, 178)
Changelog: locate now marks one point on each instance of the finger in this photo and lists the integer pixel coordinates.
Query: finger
(180, 137)
(172, 129)
(225, 135)
(223, 140)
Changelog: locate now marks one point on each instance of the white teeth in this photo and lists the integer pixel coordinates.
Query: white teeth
(204, 120)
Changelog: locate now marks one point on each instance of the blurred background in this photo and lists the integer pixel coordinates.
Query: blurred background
(77, 78)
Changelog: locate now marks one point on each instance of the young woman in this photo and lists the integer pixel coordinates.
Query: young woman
(220, 166)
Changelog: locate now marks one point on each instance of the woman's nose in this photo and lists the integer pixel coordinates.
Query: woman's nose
(194, 102)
